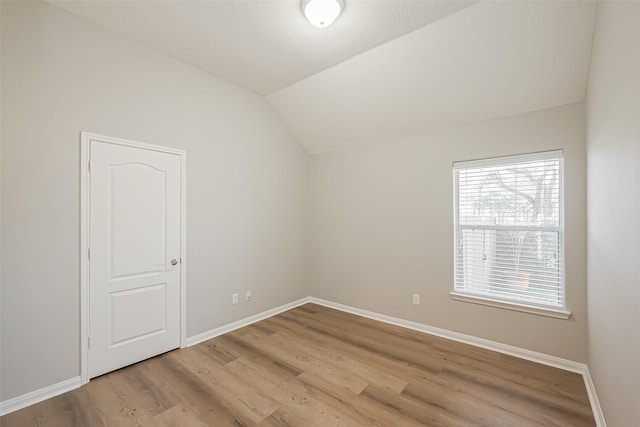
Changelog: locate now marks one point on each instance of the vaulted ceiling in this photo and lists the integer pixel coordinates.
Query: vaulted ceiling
(385, 68)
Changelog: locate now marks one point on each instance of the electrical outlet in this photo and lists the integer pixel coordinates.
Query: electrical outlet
(234, 299)
(248, 296)
(416, 299)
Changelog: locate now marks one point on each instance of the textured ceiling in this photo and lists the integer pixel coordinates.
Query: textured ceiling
(384, 69)
(262, 45)
(490, 60)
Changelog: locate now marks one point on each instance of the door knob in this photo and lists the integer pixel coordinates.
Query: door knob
(174, 261)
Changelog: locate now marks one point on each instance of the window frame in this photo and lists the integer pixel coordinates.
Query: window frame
(560, 312)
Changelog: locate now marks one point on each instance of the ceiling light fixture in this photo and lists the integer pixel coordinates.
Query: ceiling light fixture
(322, 13)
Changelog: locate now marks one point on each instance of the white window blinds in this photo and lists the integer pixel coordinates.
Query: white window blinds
(509, 229)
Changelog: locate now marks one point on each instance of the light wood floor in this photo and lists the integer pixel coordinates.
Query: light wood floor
(314, 366)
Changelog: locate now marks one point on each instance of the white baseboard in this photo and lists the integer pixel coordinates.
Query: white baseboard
(593, 398)
(522, 353)
(533, 356)
(45, 393)
(545, 359)
(212, 333)
(37, 396)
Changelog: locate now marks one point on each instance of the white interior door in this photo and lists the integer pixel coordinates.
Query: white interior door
(134, 261)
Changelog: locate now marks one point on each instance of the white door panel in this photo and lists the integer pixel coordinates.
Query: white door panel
(135, 225)
(127, 325)
(137, 240)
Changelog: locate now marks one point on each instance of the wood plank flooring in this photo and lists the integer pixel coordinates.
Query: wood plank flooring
(314, 366)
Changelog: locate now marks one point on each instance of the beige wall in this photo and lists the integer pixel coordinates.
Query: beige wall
(382, 228)
(247, 178)
(613, 152)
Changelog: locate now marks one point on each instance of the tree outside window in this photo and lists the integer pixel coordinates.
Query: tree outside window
(508, 229)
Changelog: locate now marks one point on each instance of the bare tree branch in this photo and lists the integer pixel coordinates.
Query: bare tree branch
(533, 201)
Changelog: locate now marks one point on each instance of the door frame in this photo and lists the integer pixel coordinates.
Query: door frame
(85, 199)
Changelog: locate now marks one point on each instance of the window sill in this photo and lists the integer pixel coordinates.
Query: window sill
(557, 313)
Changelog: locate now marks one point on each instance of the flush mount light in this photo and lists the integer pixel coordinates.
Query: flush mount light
(322, 13)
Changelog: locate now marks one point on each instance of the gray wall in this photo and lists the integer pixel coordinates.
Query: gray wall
(382, 228)
(380, 216)
(614, 211)
(247, 179)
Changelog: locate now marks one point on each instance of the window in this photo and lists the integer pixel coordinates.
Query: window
(509, 232)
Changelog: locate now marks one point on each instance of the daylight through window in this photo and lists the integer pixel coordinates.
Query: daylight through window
(509, 229)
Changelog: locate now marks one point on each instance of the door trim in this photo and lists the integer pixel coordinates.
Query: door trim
(85, 198)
